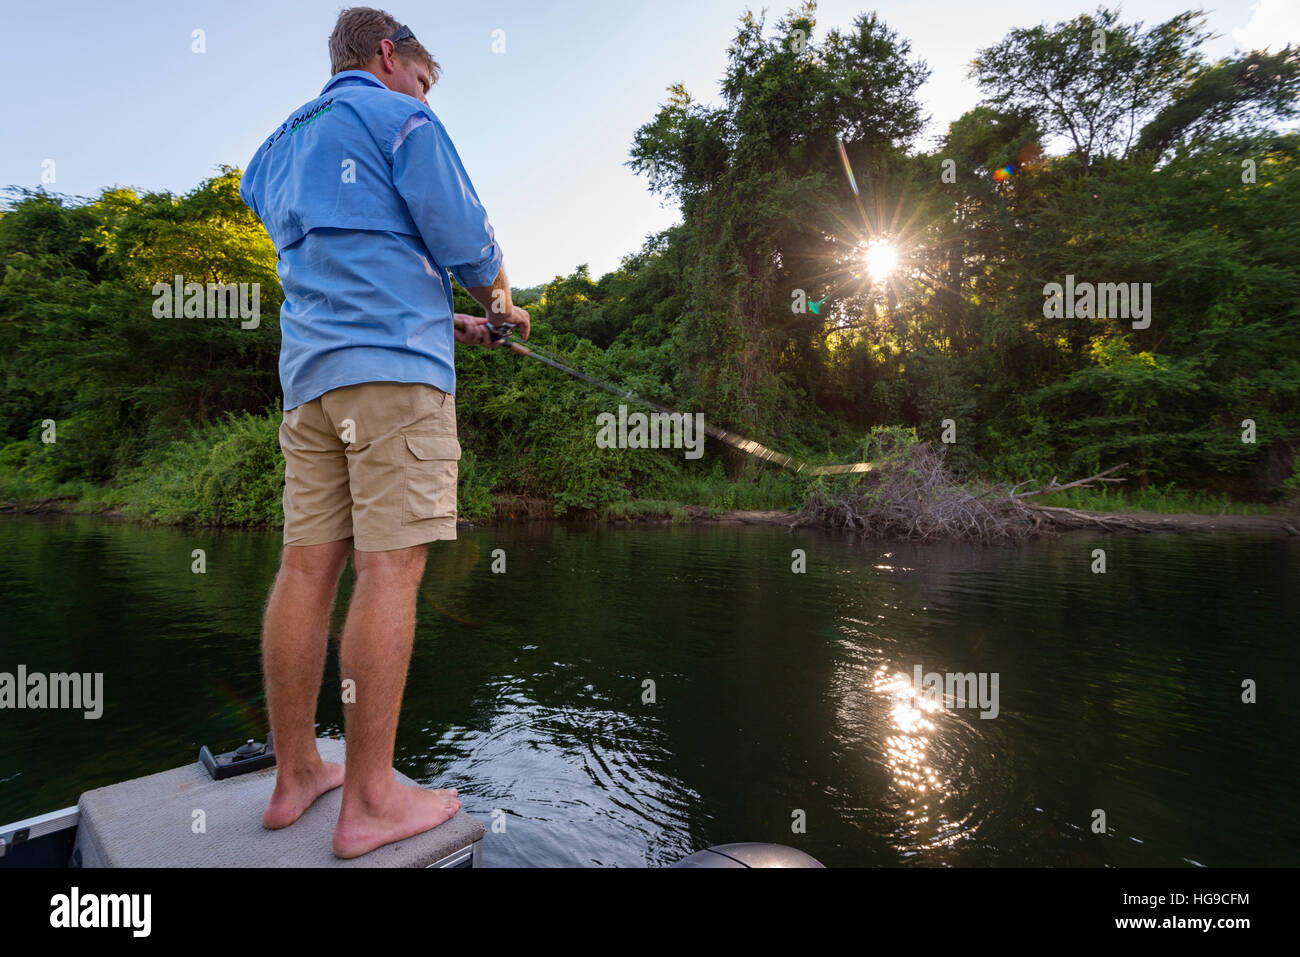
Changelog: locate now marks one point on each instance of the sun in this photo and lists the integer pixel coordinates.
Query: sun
(882, 260)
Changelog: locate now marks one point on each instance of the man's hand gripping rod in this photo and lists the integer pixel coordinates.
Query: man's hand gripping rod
(500, 332)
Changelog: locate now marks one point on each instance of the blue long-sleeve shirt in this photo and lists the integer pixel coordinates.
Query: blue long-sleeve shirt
(368, 205)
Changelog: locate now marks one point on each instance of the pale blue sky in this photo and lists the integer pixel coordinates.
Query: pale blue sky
(113, 94)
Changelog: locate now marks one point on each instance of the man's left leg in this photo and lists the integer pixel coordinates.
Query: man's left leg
(294, 636)
(295, 631)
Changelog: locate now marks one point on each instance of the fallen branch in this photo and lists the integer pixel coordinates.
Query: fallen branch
(912, 496)
(1078, 483)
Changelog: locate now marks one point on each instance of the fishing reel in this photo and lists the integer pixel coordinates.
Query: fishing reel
(500, 332)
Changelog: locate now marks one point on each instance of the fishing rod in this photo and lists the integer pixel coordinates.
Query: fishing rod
(501, 332)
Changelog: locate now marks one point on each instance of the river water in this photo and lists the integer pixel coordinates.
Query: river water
(623, 697)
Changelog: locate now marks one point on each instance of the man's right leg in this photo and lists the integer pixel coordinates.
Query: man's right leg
(374, 652)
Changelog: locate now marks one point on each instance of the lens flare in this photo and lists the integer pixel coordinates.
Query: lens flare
(848, 168)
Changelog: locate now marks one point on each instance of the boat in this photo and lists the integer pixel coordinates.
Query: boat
(208, 814)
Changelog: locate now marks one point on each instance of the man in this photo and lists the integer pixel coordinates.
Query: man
(368, 205)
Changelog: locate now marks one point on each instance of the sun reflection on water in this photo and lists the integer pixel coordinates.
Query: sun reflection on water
(914, 719)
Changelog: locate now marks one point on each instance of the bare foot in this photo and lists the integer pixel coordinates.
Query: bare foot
(403, 811)
(294, 794)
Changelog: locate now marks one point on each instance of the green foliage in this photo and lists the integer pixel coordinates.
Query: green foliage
(230, 473)
(85, 448)
(474, 488)
(1290, 489)
(766, 490)
(1166, 499)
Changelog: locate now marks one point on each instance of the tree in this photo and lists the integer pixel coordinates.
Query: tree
(1249, 91)
(1093, 80)
(759, 183)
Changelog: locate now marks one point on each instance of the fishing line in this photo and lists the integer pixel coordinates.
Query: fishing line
(501, 333)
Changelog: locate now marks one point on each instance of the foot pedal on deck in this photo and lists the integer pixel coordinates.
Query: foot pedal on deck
(247, 757)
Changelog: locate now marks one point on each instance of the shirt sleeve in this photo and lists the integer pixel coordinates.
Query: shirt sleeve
(246, 187)
(428, 174)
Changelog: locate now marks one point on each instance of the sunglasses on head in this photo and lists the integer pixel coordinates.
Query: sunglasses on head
(402, 34)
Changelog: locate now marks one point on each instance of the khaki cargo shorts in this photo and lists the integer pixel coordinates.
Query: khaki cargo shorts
(375, 462)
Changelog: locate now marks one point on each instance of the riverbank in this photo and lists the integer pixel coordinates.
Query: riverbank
(1280, 522)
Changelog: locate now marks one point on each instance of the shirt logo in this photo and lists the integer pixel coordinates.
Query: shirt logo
(301, 120)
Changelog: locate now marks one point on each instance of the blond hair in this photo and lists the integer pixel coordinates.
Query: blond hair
(356, 37)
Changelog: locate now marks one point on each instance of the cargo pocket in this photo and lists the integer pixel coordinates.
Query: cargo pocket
(431, 476)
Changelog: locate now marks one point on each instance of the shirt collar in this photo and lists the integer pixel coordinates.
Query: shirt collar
(365, 76)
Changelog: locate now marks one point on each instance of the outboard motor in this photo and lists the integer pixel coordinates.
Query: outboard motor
(749, 855)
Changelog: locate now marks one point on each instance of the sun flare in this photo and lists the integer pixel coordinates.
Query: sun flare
(882, 260)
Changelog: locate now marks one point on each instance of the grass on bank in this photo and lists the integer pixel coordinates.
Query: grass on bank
(232, 473)
(1165, 499)
(79, 496)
